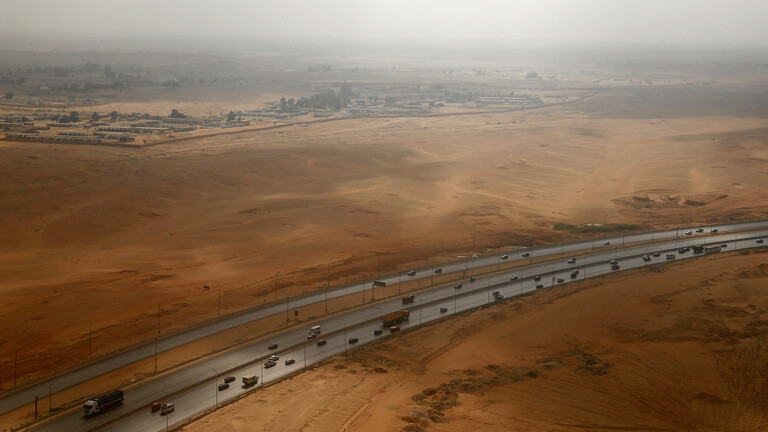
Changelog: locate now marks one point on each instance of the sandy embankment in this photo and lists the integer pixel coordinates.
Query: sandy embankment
(677, 347)
(127, 238)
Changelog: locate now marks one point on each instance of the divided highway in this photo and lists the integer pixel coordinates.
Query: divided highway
(193, 388)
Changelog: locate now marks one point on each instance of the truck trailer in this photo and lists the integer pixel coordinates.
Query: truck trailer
(394, 318)
(100, 403)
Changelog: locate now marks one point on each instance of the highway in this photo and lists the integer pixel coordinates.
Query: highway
(193, 388)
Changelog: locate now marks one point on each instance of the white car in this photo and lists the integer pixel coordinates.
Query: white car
(572, 261)
(606, 243)
(689, 233)
(274, 357)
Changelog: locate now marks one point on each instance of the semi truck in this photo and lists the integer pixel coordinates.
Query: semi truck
(100, 403)
(394, 318)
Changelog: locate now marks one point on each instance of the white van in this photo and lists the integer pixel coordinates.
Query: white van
(167, 408)
(315, 329)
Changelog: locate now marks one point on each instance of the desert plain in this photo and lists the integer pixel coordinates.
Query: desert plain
(105, 247)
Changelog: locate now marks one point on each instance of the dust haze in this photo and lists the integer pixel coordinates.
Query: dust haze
(165, 163)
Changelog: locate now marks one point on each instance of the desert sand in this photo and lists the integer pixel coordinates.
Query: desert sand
(666, 348)
(128, 238)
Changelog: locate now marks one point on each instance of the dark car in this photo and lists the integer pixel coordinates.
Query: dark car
(272, 346)
(223, 386)
(759, 241)
(681, 250)
(646, 258)
(514, 278)
(537, 278)
(724, 245)
(269, 363)
(574, 274)
(377, 332)
(443, 310)
(290, 362)
(714, 230)
(504, 256)
(657, 254)
(457, 286)
(606, 243)
(155, 406)
(560, 280)
(700, 230)
(615, 267)
(322, 342)
(526, 255)
(496, 293)
(472, 279)
(353, 340)
(439, 270)
(412, 273)
(539, 286)
(229, 379)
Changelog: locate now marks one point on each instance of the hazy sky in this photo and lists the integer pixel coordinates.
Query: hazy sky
(654, 21)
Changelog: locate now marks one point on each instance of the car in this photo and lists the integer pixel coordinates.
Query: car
(574, 274)
(657, 254)
(269, 363)
(457, 286)
(504, 256)
(606, 243)
(322, 342)
(408, 299)
(311, 335)
(496, 293)
(689, 233)
(572, 261)
(714, 230)
(223, 386)
(560, 280)
(724, 245)
(700, 230)
(272, 346)
(759, 241)
(670, 256)
(229, 379)
(526, 255)
(377, 332)
(290, 362)
(687, 248)
(439, 270)
(274, 357)
(443, 310)
(353, 340)
(498, 297)
(412, 273)
(615, 267)
(681, 250)
(539, 286)
(646, 258)
(393, 329)
(472, 279)
(613, 261)
(155, 406)
(167, 408)
(537, 278)
(514, 278)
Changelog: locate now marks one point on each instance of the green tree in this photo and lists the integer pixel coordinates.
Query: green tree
(73, 117)
(95, 117)
(283, 103)
(114, 115)
(231, 116)
(176, 114)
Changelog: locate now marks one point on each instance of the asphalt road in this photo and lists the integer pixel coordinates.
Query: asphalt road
(26, 395)
(193, 388)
